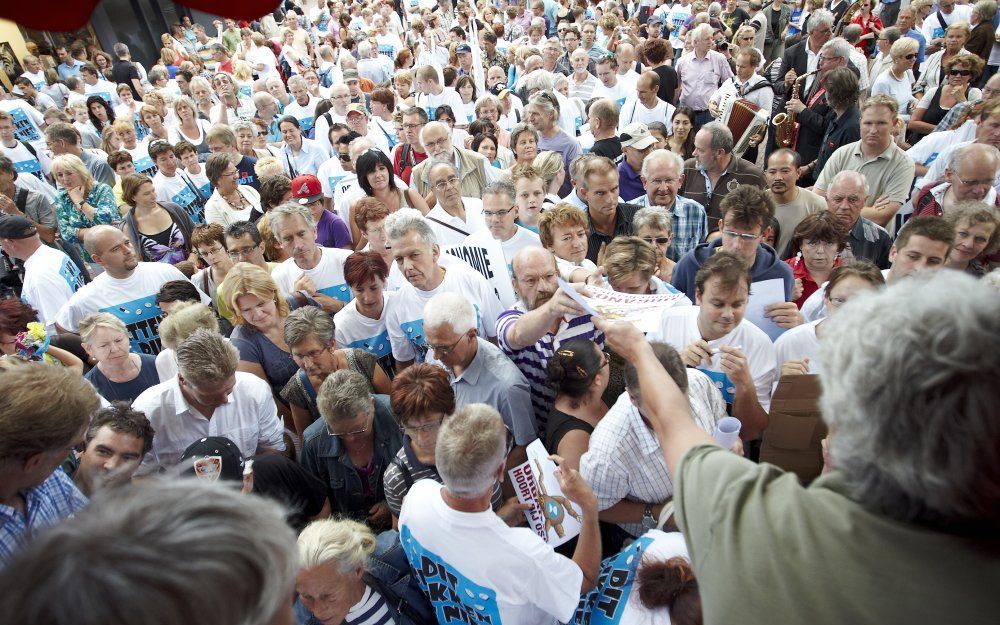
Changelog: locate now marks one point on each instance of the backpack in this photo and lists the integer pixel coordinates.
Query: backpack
(390, 574)
(326, 77)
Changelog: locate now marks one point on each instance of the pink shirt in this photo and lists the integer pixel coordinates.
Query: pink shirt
(700, 78)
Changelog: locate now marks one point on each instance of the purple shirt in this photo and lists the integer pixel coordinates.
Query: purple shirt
(629, 185)
(700, 78)
(331, 231)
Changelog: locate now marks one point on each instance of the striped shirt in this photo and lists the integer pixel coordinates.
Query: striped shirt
(371, 610)
(625, 462)
(533, 361)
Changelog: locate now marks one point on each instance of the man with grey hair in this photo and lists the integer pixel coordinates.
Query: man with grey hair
(479, 372)
(303, 105)
(803, 57)
(968, 176)
(714, 170)
(208, 397)
(371, 65)
(170, 552)
(700, 73)
(500, 215)
(454, 217)
(662, 175)
(353, 422)
(310, 270)
(912, 475)
(418, 257)
(125, 72)
(474, 171)
(845, 199)
(62, 138)
(448, 532)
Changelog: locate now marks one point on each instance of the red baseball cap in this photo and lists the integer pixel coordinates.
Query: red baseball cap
(307, 189)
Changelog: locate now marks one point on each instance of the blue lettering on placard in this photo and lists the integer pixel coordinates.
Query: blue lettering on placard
(71, 274)
(337, 291)
(414, 331)
(24, 128)
(194, 205)
(142, 320)
(144, 165)
(605, 603)
(721, 382)
(456, 598)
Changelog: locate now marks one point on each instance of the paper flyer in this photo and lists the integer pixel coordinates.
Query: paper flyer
(553, 516)
(763, 294)
(641, 310)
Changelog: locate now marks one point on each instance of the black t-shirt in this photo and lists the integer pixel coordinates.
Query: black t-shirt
(668, 84)
(559, 425)
(246, 172)
(735, 19)
(610, 148)
(285, 481)
(123, 72)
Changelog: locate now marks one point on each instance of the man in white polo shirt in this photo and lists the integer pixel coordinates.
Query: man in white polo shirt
(315, 272)
(417, 254)
(454, 217)
(500, 215)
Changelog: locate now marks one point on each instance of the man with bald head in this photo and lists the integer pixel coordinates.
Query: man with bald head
(127, 289)
(845, 198)
(968, 176)
(645, 106)
(543, 318)
(474, 171)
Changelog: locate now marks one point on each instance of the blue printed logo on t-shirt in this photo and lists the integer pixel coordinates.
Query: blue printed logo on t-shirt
(71, 274)
(337, 291)
(721, 382)
(456, 598)
(414, 331)
(605, 603)
(144, 165)
(31, 166)
(377, 345)
(192, 204)
(142, 320)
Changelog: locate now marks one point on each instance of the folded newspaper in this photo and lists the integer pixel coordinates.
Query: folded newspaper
(641, 310)
(553, 516)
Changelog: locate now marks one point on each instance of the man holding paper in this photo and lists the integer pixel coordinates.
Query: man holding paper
(472, 566)
(746, 214)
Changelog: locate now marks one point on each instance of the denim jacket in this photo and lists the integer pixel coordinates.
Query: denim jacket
(326, 457)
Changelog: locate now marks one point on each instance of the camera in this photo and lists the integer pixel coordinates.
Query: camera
(721, 46)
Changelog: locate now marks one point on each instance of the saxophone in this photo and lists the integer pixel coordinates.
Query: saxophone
(846, 19)
(784, 123)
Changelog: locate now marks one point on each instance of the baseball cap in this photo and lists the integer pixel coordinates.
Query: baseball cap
(500, 91)
(463, 48)
(16, 227)
(356, 108)
(654, 19)
(213, 458)
(350, 74)
(307, 189)
(637, 136)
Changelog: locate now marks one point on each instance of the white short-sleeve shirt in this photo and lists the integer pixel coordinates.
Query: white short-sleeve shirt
(50, 279)
(327, 275)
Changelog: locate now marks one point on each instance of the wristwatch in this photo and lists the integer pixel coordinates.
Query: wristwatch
(648, 520)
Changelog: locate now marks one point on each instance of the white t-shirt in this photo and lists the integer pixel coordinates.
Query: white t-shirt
(37, 164)
(474, 222)
(50, 279)
(184, 191)
(327, 275)
(619, 93)
(305, 114)
(798, 343)
(676, 16)
(430, 102)
(330, 175)
(389, 44)
(356, 330)
(679, 328)
(522, 238)
(175, 135)
(635, 111)
(405, 312)
(133, 300)
(141, 160)
(525, 581)
(250, 420)
(27, 121)
(37, 79)
(105, 89)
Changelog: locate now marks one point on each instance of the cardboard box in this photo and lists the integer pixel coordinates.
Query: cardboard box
(796, 427)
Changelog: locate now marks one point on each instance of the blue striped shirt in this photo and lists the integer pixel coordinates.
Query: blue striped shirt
(50, 502)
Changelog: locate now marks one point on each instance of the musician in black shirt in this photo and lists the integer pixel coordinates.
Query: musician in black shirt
(844, 119)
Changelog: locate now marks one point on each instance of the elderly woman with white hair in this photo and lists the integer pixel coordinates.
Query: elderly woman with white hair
(337, 584)
(543, 113)
(118, 374)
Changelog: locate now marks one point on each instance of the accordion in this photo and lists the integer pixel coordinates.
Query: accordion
(744, 119)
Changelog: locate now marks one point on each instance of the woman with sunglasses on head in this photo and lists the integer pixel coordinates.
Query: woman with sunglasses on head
(897, 79)
(962, 70)
(578, 372)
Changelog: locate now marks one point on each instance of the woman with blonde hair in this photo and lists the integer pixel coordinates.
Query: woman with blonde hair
(932, 69)
(189, 126)
(82, 202)
(111, 141)
(119, 374)
(550, 166)
(183, 320)
(259, 312)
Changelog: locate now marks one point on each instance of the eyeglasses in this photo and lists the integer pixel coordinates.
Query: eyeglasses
(974, 183)
(242, 251)
(961, 72)
(910, 57)
(310, 356)
(444, 350)
(210, 251)
(344, 157)
(413, 430)
(450, 181)
(364, 430)
(412, 126)
(656, 240)
(743, 236)
(491, 214)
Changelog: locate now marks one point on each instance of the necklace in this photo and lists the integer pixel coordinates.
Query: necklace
(240, 201)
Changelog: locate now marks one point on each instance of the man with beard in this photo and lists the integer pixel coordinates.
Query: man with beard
(791, 203)
(543, 318)
(662, 176)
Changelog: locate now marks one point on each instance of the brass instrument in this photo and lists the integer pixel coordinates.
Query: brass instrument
(785, 127)
(846, 19)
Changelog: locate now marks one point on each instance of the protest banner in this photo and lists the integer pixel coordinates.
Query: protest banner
(641, 310)
(487, 258)
(552, 516)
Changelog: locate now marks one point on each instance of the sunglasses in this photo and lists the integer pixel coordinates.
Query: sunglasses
(961, 72)
(910, 57)
(657, 240)
(344, 157)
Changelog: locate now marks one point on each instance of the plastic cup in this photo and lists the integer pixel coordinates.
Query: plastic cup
(727, 432)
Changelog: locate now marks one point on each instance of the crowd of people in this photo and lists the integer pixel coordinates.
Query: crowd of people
(280, 312)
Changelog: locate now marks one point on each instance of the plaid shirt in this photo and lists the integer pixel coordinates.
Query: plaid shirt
(952, 115)
(690, 225)
(52, 501)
